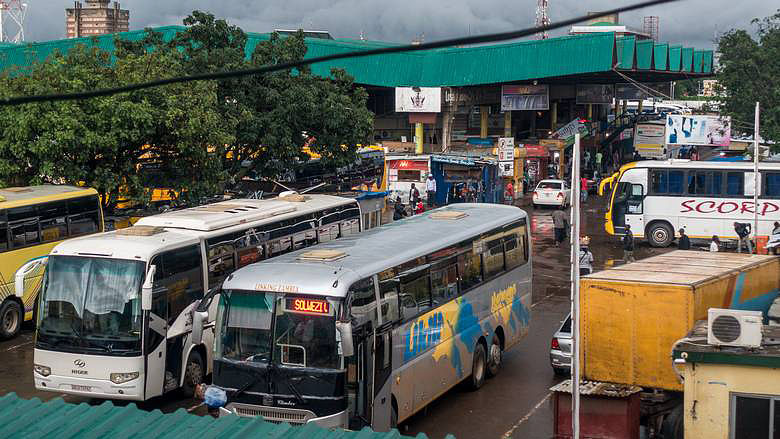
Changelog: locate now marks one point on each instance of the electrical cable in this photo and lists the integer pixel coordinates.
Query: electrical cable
(479, 39)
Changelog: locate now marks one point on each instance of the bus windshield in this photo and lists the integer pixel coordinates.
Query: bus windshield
(91, 304)
(262, 327)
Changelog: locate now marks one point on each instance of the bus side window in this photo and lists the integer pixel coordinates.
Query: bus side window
(415, 291)
(54, 221)
(363, 302)
(350, 221)
(513, 252)
(221, 257)
(388, 291)
(676, 182)
(735, 184)
(84, 215)
(493, 258)
(772, 185)
(659, 181)
(444, 281)
(329, 226)
(182, 278)
(23, 222)
(470, 270)
(715, 183)
(3, 231)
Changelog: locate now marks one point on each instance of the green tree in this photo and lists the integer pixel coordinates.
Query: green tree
(103, 142)
(275, 114)
(748, 74)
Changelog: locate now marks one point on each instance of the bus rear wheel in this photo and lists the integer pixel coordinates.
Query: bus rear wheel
(10, 319)
(478, 367)
(660, 234)
(495, 357)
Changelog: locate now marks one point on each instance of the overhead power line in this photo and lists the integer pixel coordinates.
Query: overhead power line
(479, 39)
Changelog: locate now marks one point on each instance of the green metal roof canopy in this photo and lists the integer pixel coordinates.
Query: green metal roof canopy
(32, 419)
(579, 58)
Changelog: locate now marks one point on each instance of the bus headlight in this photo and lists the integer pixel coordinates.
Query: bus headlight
(123, 377)
(43, 371)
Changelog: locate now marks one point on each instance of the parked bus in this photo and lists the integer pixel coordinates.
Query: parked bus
(116, 308)
(33, 220)
(657, 198)
(338, 336)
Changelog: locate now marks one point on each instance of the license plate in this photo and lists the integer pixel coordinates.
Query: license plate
(81, 388)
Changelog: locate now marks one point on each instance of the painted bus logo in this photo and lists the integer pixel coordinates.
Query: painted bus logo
(720, 207)
(424, 333)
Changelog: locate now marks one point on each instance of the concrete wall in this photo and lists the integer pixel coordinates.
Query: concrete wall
(707, 394)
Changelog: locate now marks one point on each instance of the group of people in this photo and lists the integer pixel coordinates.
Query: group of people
(415, 201)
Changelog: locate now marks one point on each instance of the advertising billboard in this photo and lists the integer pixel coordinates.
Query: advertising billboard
(595, 93)
(418, 99)
(649, 140)
(525, 97)
(698, 130)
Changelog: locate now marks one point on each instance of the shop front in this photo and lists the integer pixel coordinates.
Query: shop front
(402, 171)
(463, 179)
(537, 161)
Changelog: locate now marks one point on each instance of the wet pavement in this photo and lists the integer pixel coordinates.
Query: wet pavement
(517, 403)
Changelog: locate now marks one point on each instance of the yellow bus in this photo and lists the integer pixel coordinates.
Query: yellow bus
(33, 220)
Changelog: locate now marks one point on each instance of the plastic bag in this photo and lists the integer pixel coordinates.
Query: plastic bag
(214, 397)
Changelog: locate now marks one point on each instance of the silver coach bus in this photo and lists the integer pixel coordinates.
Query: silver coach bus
(369, 329)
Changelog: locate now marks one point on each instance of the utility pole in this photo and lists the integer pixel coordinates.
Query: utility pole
(575, 287)
(756, 177)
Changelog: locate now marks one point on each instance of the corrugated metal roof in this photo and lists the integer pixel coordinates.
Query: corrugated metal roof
(457, 66)
(661, 56)
(31, 419)
(675, 56)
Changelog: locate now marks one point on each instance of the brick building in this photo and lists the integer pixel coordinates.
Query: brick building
(97, 17)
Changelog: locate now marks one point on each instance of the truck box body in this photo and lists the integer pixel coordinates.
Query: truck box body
(634, 313)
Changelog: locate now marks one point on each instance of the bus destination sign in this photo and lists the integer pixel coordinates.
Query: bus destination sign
(309, 306)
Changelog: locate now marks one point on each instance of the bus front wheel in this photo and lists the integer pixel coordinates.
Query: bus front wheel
(478, 367)
(10, 319)
(660, 234)
(193, 373)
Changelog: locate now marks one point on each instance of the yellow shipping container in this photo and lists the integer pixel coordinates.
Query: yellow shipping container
(633, 314)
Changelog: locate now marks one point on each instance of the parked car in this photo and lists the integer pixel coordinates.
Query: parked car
(560, 348)
(552, 193)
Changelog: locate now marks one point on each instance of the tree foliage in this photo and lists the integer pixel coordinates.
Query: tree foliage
(194, 139)
(748, 74)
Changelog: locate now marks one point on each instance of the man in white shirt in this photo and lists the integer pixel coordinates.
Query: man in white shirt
(430, 189)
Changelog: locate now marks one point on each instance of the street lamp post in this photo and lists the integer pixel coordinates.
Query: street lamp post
(575, 287)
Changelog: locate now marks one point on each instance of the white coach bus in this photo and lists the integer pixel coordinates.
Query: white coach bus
(370, 329)
(115, 316)
(657, 198)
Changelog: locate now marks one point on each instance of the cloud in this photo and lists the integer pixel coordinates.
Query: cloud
(690, 22)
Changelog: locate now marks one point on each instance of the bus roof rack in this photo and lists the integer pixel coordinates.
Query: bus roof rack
(140, 230)
(448, 215)
(322, 255)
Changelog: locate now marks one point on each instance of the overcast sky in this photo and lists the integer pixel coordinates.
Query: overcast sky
(690, 22)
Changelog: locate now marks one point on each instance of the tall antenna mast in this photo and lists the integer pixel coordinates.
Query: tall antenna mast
(651, 26)
(542, 18)
(12, 12)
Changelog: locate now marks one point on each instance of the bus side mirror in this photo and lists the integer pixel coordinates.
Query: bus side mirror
(25, 270)
(198, 318)
(345, 331)
(146, 290)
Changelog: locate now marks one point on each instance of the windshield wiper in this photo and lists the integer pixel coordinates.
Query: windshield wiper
(254, 379)
(294, 389)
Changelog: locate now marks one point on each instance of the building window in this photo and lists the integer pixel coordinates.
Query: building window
(754, 416)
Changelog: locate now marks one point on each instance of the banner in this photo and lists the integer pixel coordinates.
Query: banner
(567, 132)
(506, 169)
(525, 97)
(629, 92)
(595, 94)
(649, 140)
(698, 130)
(417, 99)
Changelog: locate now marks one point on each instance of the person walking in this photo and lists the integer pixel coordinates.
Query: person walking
(430, 190)
(414, 197)
(509, 193)
(399, 212)
(559, 225)
(774, 240)
(599, 156)
(584, 189)
(715, 244)
(743, 233)
(684, 243)
(586, 257)
(628, 245)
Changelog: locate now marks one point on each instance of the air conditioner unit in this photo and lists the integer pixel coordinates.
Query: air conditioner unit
(731, 327)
